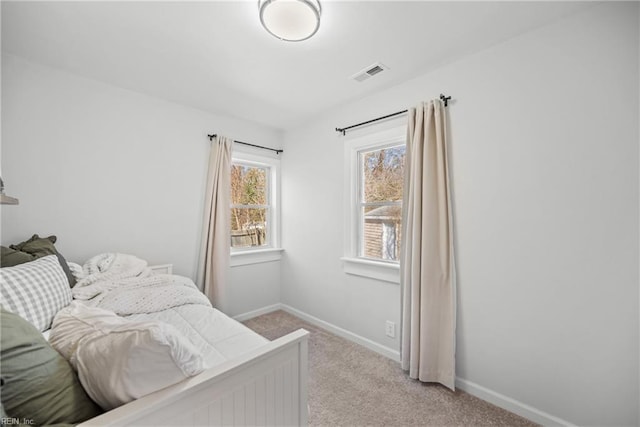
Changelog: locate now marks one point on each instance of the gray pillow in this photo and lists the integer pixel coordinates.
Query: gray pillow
(37, 247)
(11, 257)
(38, 384)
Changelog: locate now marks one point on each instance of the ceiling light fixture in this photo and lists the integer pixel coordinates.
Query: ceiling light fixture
(290, 20)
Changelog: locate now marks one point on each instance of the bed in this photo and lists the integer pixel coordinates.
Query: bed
(242, 378)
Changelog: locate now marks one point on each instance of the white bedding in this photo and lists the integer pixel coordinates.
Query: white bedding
(119, 360)
(216, 335)
(125, 285)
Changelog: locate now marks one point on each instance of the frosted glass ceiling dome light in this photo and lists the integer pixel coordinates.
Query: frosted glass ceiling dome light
(290, 20)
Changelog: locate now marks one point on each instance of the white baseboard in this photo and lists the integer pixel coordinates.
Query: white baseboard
(472, 388)
(366, 342)
(510, 404)
(259, 312)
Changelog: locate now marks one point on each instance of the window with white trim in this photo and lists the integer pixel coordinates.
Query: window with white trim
(374, 175)
(254, 208)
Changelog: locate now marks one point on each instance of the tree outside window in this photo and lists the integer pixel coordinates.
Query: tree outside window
(250, 205)
(381, 174)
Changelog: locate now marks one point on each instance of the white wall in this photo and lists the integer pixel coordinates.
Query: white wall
(110, 170)
(545, 173)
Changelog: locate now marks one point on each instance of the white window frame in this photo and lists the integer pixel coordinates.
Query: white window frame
(272, 251)
(388, 271)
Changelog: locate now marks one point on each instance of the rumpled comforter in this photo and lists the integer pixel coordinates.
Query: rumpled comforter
(126, 285)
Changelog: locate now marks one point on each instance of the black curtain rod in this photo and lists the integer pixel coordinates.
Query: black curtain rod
(251, 145)
(445, 99)
(344, 130)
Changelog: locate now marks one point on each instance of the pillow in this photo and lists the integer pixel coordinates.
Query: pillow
(37, 383)
(38, 247)
(119, 360)
(10, 257)
(36, 290)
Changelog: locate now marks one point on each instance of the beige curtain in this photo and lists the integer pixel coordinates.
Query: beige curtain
(427, 274)
(213, 265)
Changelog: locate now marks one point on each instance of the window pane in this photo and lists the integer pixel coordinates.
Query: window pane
(382, 173)
(381, 232)
(248, 227)
(248, 185)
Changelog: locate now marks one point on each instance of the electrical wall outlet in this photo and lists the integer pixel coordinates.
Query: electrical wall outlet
(390, 329)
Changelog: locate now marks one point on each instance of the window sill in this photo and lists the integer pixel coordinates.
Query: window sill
(387, 272)
(256, 256)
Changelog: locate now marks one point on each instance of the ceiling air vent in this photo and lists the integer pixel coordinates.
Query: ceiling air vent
(369, 72)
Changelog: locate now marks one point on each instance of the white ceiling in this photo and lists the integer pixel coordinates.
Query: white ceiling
(215, 56)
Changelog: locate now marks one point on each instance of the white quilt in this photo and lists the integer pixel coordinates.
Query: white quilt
(216, 335)
(125, 285)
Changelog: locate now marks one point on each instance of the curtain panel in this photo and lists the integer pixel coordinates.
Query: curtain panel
(427, 275)
(215, 251)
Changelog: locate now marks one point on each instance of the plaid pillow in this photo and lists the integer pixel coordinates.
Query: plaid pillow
(36, 290)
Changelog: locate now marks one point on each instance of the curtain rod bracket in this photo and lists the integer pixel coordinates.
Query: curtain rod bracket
(445, 99)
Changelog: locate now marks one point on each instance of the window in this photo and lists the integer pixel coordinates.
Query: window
(254, 209)
(380, 202)
(374, 175)
(250, 205)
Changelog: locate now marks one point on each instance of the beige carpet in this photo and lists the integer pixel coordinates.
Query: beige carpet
(350, 385)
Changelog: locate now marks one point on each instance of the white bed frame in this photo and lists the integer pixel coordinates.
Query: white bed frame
(267, 386)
